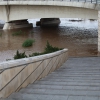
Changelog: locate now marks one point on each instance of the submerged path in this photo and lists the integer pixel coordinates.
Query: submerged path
(77, 79)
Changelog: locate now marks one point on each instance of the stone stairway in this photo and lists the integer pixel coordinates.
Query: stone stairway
(77, 79)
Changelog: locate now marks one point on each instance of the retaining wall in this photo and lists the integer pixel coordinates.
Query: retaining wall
(17, 74)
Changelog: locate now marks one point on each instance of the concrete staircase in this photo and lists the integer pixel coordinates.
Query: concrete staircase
(77, 79)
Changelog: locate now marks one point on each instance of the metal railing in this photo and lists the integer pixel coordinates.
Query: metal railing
(90, 1)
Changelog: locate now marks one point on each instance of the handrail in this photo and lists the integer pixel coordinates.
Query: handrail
(90, 1)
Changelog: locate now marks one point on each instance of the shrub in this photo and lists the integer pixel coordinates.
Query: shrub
(48, 49)
(17, 33)
(19, 55)
(28, 43)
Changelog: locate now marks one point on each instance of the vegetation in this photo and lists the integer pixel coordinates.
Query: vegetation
(0, 34)
(35, 54)
(19, 55)
(48, 49)
(17, 33)
(28, 43)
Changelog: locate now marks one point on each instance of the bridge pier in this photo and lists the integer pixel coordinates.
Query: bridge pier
(99, 31)
(17, 24)
(48, 22)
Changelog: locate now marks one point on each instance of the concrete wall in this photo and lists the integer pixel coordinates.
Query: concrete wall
(17, 74)
(18, 10)
(3, 13)
(29, 12)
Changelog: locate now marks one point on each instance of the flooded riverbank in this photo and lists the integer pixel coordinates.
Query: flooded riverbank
(80, 37)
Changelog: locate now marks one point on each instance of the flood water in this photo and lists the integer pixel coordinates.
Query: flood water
(80, 37)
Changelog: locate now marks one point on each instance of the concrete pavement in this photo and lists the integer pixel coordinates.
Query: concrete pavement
(77, 79)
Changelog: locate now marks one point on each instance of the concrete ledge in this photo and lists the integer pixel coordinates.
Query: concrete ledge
(17, 74)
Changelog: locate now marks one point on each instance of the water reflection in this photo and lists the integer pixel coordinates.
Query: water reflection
(79, 37)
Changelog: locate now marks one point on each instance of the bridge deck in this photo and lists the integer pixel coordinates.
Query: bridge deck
(77, 79)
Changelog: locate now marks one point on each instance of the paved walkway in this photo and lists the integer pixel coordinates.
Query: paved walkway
(77, 79)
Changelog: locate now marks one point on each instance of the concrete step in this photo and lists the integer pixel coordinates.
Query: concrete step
(70, 80)
(70, 75)
(52, 97)
(25, 96)
(38, 86)
(60, 92)
(74, 70)
(67, 83)
(79, 70)
(83, 66)
(74, 78)
(77, 79)
(78, 73)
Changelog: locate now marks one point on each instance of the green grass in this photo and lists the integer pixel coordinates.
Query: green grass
(17, 33)
(28, 43)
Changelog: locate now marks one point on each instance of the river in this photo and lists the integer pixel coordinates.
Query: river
(79, 36)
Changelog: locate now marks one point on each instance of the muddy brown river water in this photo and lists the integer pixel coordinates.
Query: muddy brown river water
(81, 40)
